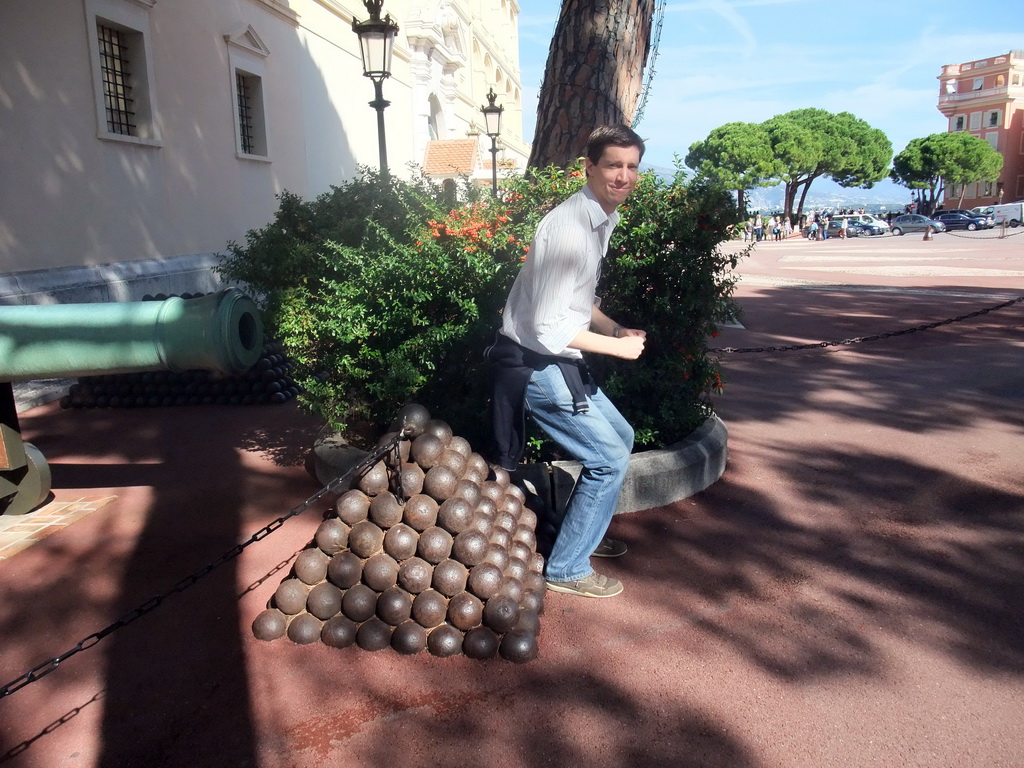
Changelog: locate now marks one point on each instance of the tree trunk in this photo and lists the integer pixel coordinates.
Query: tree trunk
(594, 74)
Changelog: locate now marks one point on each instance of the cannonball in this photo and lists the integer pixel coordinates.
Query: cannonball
(536, 564)
(269, 624)
(444, 641)
(380, 572)
(386, 510)
(521, 552)
(519, 646)
(449, 577)
(429, 608)
(373, 480)
(468, 490)
(411, 420)
(534, 582)
(465, 611)
(412, 479)
(435, 544)
(440, 483)
(324, 600)
(484, 580)
(491, 490)
(510, 504)
(409, 638)
(497, 556)
(352, 506)
(304, 629)
(516, 568)
(480, 643)
(477, 465)
(400, 542)
(311, 566)
(290, 596)
(528, 519)
(499, 475)
(359, 603)
(439, 429)
(528, 620)
(469, 547)
(527, 537)
(426, 450)
(332, 536)
(415, 575)
(461, 445)
(505, 521)
(339, 632)
(404, 445)
(486, 508)
(532, 601)
(420, 512)
(501, 613)
(365, 538)
(516, 492)
(345, 569)
(511, 587)
(455, 515)
(394, 606)
(501, 538)
(482, 524)
(373, 635)
(454, 460)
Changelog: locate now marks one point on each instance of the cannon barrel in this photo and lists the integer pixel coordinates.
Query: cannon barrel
(218, 332)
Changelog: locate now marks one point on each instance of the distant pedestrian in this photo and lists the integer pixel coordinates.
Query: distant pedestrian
(787, 228)
(758, 228)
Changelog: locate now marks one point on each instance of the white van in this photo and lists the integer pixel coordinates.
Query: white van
(1011, 213)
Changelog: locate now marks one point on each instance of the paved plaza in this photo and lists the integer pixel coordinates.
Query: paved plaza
(849, 594)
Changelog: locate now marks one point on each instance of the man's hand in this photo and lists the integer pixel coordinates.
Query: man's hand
(630, 343)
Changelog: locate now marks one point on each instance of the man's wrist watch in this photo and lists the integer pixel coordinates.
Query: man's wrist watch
(617, 331)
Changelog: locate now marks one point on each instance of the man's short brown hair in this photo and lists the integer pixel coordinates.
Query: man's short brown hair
(614, 135)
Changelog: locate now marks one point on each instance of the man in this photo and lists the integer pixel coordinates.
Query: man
(551, 317)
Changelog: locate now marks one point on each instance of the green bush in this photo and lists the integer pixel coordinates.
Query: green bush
(383, 294)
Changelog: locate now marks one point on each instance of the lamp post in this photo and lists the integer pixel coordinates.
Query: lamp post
(492, 123)
(376, 44)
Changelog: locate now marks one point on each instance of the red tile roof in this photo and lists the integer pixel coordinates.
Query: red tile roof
(450, 157)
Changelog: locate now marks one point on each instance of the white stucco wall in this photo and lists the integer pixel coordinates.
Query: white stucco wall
(70, 198)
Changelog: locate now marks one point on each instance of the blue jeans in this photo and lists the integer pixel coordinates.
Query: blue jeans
(601, 441)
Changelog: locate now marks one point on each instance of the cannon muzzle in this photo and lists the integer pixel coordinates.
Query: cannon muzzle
(219, 332)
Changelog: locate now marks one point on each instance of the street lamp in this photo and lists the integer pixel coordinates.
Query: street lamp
(376, 44)
(492, 123)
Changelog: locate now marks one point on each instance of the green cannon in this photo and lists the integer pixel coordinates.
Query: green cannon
(220, 332)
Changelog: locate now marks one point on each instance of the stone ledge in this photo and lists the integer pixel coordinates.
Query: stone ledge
(655, 478)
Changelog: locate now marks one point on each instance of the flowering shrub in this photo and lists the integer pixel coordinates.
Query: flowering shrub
(382, 293)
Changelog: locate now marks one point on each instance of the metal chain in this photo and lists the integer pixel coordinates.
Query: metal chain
(42, 669)
(1001, 236)
(874, 337)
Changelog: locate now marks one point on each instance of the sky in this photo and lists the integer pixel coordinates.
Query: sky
(722, 61)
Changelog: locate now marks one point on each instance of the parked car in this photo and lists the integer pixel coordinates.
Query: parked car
(982, 210)
(835, 227)
(915, 222)
(867, 218)
(868, 228)
(988, 219)
(962, 221)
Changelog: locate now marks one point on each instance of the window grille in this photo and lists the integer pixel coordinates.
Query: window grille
(115, 73)
(245, 117)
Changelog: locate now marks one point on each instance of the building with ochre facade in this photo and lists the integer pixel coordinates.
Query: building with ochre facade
(986, 98)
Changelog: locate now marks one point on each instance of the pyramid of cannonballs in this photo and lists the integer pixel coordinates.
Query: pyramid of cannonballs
(430, 549)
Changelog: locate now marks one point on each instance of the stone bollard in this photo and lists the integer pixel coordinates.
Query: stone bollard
(927, 233)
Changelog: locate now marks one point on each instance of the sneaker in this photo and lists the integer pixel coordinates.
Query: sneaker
(594, 585)
(610, 548)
